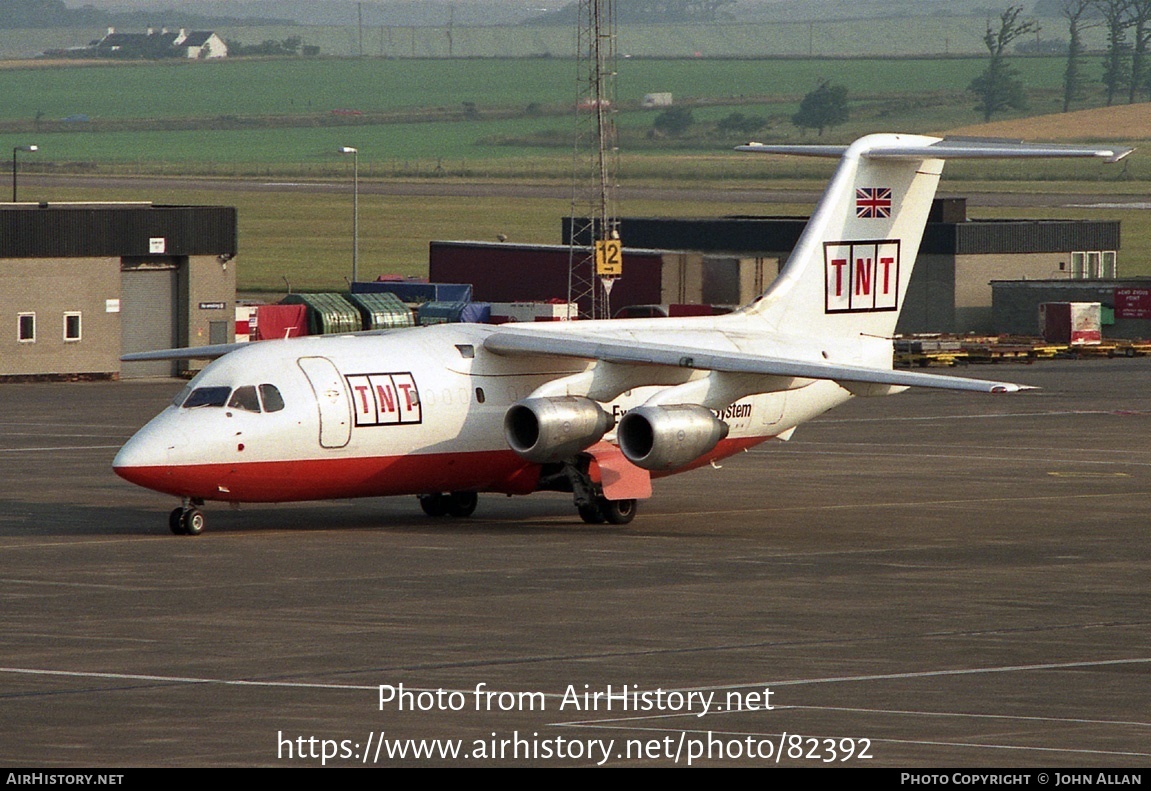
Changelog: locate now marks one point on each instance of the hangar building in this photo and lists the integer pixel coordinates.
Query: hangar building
(950, 288)
(83, 283)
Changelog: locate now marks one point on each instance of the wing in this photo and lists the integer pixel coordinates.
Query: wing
(590, 346)
(189, 353)
(215, 351)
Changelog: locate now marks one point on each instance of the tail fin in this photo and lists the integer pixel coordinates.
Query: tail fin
(849, 272)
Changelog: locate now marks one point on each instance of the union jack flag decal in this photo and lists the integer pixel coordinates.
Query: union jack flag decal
(873, 203)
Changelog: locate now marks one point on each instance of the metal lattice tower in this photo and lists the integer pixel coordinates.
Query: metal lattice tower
(596, 153)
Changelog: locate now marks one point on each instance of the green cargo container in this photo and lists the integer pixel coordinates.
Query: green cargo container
(327, 313)
(382, 311)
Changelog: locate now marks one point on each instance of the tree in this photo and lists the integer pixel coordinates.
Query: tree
(1140, 16)
(289, 46)
(1116, 65)
(740, 124)
(673, 122)
(822, 108)
(998, 88)
(1074, 12)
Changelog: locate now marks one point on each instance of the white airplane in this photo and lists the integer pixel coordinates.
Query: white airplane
(595, 408)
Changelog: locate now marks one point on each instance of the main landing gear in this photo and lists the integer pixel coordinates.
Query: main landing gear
(187, 520)
(593, 507)
(457, 504)
(615, 512)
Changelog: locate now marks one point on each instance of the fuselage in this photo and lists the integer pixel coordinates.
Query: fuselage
(415, 411)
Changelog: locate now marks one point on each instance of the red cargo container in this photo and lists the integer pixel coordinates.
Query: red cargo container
(281, 321)
(1074, 323)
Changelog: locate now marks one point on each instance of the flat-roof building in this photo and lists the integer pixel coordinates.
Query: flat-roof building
(83, 283)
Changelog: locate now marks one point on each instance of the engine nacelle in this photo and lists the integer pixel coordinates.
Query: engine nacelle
(551, 429)
(667, 437)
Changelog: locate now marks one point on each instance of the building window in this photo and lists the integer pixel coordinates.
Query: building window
(1092, 265)
(1108, 269)
(72, 326)
(1078, 266)
(26, 327)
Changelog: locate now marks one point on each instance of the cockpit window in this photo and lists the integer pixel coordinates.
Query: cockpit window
(245, 398)
(208, 396)
(180, 396)
(273, 401)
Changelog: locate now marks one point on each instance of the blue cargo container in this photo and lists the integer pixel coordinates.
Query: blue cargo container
(414, 293)
(477, 313)
(440, 312)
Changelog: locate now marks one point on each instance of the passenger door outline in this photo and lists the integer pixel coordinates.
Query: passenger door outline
(332, 401)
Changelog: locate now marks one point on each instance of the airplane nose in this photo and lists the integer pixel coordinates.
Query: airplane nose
(145, 458)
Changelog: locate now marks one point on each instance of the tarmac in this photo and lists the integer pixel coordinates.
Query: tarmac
(927, 580)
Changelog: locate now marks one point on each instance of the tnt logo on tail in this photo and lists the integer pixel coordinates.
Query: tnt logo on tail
(861, 276)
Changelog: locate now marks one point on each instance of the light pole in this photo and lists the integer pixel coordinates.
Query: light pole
(355, 152)
(14, 152)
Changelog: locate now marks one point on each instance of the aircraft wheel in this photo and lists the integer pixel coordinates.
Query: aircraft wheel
(434, 504)
(192, 521)
(462, 504)
(618, 512)
(591, 514)
(175, 522)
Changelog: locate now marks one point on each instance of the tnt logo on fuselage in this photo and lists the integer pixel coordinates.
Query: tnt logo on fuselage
(861, 276)
(389, 399)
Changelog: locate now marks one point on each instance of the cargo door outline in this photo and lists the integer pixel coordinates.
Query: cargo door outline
(332, 401)
(772, 407)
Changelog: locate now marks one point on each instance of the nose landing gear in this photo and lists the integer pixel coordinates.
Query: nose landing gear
(187, 520)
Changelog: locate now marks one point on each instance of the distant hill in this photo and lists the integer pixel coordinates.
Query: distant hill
(376, 13)
(671, 11)
(558, 13)
(30, 14)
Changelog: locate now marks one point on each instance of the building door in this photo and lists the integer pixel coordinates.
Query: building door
(147, 318)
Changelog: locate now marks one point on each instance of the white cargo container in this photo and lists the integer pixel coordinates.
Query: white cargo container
(504, 312)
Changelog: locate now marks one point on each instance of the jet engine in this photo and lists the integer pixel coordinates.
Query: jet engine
(667, 437)
(551, 429)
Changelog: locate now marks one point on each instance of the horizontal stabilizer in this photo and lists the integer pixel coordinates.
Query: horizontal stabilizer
(953, 148)
(830, 152)
(588, 347)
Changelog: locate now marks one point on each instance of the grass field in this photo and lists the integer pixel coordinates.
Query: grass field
(304, 239)
(276, 116)
(276, 121)
(299, 87)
